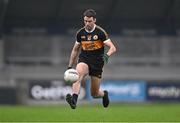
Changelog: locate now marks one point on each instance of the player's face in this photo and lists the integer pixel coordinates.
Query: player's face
(89, 22)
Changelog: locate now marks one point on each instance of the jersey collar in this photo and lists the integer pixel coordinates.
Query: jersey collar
(91, 30)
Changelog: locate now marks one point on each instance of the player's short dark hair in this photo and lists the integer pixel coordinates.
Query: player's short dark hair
(90, 13)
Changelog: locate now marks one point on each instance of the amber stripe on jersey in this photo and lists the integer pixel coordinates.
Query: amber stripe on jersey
(92, 45)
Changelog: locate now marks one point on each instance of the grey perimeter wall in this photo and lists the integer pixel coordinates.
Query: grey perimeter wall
(137, 57)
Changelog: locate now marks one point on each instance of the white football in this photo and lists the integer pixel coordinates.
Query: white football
(71, 75)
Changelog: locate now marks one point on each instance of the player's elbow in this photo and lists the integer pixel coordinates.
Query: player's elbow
(113, 49)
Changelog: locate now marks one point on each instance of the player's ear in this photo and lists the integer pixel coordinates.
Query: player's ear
(94, 19)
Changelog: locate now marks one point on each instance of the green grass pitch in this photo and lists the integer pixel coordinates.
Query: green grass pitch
(92, 113)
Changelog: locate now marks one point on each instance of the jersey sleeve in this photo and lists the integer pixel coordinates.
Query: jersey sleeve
(104, 35)
(78, 37)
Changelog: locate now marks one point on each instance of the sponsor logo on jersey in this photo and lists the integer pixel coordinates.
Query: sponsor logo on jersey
(92, 45)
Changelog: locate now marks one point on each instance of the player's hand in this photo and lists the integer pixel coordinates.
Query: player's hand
(105, 58)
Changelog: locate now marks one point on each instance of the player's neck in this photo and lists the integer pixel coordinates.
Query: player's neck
(89, 31)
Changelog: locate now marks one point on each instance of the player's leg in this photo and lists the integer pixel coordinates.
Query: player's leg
(82, 69)
(97, 93)
(95, 87)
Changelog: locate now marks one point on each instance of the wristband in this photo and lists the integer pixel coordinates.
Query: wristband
(106, 58)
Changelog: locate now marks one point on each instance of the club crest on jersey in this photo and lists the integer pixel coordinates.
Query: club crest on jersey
(89, 37)
(95, 37)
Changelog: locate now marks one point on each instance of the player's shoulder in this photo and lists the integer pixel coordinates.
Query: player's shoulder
(100, 29)
(80, 30)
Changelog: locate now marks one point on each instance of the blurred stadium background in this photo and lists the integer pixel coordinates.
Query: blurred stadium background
(36, 37)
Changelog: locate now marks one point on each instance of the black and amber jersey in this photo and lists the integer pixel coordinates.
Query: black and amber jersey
(92, 42)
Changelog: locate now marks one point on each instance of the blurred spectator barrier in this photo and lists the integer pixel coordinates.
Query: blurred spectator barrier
(163, 91)
(123, 90)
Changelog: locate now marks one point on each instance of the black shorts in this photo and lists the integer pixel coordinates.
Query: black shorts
(95, 65)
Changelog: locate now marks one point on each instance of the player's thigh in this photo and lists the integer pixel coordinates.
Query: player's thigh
(82, 69)
(95, 84)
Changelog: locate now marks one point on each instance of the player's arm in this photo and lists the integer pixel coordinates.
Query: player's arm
(111, 50)
(74, 54)
(110, 45)
(107, 42)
